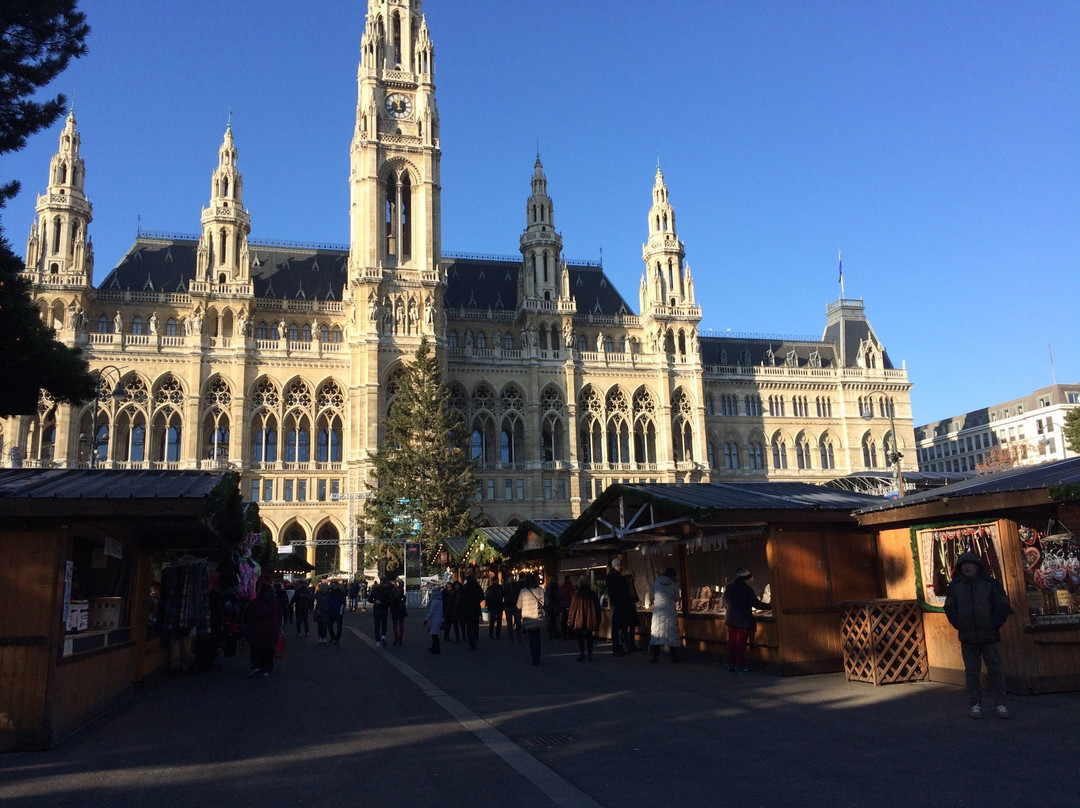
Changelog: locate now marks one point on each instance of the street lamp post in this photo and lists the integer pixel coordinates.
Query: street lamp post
(117, 393)
(894, 456)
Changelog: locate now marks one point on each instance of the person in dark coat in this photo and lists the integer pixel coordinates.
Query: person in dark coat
(551, 606)
(302, 602)
(283, 600)
(262, 620)
(511, 589)
(322, 611)
(739, 603)
(618, 595)
(494, 600)
(335, 612)
(380, 597)
(977, 607)
(398, 613)
(584, 618)
(469, 599)
(354, 595)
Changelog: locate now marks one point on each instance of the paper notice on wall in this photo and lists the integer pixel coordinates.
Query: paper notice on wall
(114, 548)
(69, 568)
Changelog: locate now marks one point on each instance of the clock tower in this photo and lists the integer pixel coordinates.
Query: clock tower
(394, 294)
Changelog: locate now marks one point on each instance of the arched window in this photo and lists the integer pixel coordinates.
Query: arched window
(170, 327)
(731, 454)
(297, 439)
(294, 332)
(779, 452)
(755, 455)
(324, 333)
(828, 459)
(802, 452)
(264, 441)
(869, 451)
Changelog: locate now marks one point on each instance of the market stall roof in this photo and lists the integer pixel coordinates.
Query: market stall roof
(703, 512)
(1035, 481)
(149, 505)
(526, 537)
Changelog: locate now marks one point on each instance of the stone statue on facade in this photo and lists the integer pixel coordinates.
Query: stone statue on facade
(152, 323)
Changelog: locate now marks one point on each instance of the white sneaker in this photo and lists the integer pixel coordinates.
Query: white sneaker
(976, 711)
(1002, 711)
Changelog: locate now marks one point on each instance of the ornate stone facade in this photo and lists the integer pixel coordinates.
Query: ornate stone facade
(278, 360)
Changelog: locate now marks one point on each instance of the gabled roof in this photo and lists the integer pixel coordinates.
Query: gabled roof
(550, 530)
(1027, 478)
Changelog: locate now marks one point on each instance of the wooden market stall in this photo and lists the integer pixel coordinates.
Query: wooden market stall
(1026, 525)
(83, 553)
(807, 553)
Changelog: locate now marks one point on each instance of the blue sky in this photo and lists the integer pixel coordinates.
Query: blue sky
(936, 144)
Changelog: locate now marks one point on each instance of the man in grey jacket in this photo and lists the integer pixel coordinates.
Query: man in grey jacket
(977, 607)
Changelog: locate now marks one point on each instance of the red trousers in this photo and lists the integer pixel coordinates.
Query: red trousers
(737, 640)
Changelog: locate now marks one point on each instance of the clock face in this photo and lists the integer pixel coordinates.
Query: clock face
(398, 105)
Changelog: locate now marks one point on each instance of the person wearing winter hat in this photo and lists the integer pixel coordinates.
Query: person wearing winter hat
(977, 606)
(664, 629)
(739, 603)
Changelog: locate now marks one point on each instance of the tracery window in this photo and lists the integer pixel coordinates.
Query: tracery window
(731, 454)
(779, 452)
(828, 459)
(644, 427)
(682, 432)
(802, 452)
(869, 450)
(755, 455)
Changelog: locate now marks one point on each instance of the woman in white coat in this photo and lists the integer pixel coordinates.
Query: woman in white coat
(434, 618)
(665, 619)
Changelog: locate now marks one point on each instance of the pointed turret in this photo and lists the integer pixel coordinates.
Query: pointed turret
(223, 260)
(541, 245)
(58, 250)
(663, 253)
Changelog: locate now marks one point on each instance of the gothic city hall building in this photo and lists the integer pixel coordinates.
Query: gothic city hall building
(278, 360)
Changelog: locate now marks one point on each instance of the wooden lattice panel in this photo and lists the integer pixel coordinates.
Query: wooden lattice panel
(883, 641)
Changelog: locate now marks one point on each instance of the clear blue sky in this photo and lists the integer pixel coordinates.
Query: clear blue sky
(935, 143)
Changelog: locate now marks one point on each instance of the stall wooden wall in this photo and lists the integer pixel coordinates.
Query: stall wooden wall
(29, 633)
(813, 571)
(89, 685)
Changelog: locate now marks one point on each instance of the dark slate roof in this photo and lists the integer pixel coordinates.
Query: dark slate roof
(98, 484)
(855, 331)
(1027, 478)
(278, 270)
(492, 283)
(708, 497)
(281, 270)
(734, 350)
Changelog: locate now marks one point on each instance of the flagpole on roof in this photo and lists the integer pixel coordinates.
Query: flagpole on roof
(840, 261)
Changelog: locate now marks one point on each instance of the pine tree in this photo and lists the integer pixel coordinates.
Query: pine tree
(424, 487)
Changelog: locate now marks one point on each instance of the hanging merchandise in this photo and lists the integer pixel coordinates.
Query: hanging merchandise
(185, 598)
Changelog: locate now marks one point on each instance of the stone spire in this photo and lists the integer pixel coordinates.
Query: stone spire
(59, 248)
